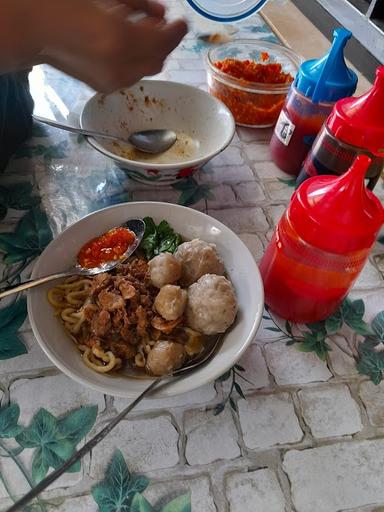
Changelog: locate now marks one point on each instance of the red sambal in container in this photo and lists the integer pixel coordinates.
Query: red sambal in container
(252, 78)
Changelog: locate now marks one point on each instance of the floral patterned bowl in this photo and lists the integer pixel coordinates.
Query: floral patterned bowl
(239, 263)
(203, 124)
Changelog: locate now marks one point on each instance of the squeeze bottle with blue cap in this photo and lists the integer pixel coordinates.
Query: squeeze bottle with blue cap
(319, 83)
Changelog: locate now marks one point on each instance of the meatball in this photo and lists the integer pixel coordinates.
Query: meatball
(212, 304)
(198, 258)
(165, 357)
(170, 302)
(164, 269)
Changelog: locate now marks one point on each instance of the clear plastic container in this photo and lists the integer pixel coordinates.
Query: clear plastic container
(202, 25)
(225, 11)
(252, 104)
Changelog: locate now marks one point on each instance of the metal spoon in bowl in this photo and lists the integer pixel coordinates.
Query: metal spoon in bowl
(198, 362)
(148, 141)
(137, 226)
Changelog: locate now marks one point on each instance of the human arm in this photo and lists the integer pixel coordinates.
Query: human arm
(92, 41)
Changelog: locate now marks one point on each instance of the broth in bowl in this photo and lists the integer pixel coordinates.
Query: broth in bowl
(240, 269)
(184, 149)
(154, 312)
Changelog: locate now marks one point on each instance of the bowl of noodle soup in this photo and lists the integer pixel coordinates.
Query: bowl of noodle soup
(59, 255)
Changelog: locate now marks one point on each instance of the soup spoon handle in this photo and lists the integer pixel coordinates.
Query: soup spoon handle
(18, 505)
(165, 379)
(15, 288)
(81, 131)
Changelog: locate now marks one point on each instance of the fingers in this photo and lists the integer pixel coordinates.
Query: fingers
(161, 38)
(123, 8)
(106, 50)
(156, 9)
(106, 77)
(150, 7)
(172, 34)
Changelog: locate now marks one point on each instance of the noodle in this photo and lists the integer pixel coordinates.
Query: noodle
(75, 305)
(56, 298)
(99, 367)
(140, 360)
(111, 317)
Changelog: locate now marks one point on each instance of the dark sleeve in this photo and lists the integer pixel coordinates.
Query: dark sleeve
(16, 107)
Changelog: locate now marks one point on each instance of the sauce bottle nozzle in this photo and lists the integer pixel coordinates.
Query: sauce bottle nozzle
(328, 78)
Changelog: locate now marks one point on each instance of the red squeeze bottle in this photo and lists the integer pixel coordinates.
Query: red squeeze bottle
(321, 244)
(355, 127)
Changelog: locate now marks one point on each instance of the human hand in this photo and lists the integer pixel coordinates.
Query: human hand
(96, 42)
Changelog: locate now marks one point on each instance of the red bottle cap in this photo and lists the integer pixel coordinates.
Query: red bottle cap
(359, 121)
(337, 214)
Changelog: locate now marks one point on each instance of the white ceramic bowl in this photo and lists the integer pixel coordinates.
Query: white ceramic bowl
(60, 253)
(204, 126)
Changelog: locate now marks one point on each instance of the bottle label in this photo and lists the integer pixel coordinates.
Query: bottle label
(284, 128)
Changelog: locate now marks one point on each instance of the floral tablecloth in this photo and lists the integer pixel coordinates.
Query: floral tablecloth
(298, 424)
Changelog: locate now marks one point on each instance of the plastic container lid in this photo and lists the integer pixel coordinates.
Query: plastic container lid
(328, 79)
(359, 121)
(226, 11)
(338, 214)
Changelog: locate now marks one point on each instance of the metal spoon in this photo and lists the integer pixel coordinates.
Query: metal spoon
(135, 225)
(200, 361)
(148, 141)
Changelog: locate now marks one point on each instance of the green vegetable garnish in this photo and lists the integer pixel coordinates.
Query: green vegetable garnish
(158, 238)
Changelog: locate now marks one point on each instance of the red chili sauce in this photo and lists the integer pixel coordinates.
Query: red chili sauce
(108, 247)
(251, 108)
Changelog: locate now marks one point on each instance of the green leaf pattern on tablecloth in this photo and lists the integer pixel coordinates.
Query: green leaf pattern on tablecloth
(234, 388)
(291, 182)
(334, 323)
(140, 504)
(119, 487)
(121, 491)
(352, 313)
(55, 439)
(18, 197)
(11, 319)
(371, 361)
(31, 236)
(378, 326)
(318, 337)
(191, 191)
(52, 439)
(39, 131)
(9, 417)
(47, 152)
(180, 504)
(314, 341)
